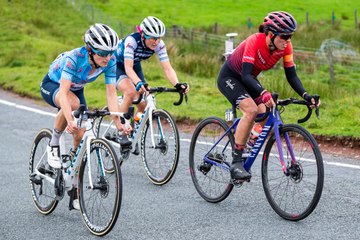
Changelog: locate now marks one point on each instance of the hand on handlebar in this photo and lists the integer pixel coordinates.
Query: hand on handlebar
(141, 87)
(313, 99)
(267, 99)
(183, 87)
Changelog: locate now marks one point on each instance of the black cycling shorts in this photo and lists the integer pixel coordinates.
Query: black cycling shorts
(232, 87)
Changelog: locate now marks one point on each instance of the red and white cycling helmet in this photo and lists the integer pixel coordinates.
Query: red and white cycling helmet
(280, 23)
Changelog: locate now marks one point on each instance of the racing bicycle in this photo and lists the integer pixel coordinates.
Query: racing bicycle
(82, 175)
(155, 137)
(292, 168)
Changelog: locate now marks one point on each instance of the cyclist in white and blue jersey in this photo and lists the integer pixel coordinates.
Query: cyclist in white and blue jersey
(63, 86)
(133, 49)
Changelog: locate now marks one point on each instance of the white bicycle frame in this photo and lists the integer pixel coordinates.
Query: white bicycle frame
(149, 109)
(70, 172)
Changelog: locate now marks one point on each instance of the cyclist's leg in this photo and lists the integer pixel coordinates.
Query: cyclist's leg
(78, 100)
(127, 88)
(231, 87)
(49, 89)
(75, 99)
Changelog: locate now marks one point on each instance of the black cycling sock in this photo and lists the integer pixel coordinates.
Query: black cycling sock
(237, 153)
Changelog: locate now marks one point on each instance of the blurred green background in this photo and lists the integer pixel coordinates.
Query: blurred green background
(326, 47)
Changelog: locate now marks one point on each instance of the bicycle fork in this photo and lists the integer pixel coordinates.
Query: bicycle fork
(280, 150)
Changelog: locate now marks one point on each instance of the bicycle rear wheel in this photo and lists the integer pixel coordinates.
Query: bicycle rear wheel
(160, 158)
(42, 189)
(294, 195)
(211, 179)
(100, 199)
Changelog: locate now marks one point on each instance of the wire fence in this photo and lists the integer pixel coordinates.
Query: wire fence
(330, 54)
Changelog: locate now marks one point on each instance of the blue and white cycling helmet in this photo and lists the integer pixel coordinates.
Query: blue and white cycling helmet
(153, 27)
(101, 37)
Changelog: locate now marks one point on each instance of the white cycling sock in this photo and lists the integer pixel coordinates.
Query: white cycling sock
(55, 139)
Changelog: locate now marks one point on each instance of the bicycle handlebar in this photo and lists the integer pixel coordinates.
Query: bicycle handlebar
(82, 114)
(285, 102)
(164, 89)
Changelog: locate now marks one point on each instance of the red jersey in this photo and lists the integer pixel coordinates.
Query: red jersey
(254, 50)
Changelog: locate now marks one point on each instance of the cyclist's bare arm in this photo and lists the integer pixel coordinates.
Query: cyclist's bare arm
(129, 64)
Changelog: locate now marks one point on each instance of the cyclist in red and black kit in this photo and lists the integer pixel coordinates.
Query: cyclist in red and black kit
(238, 81)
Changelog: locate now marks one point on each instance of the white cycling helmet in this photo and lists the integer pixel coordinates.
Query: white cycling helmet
(153, 27)
(102, 37)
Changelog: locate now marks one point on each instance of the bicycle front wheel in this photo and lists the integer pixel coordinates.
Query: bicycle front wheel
(100, 193)
(293, 195)
(211, 178)
(41, 175)
(160, 147)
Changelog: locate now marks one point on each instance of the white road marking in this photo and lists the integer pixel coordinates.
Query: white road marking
(184, 140)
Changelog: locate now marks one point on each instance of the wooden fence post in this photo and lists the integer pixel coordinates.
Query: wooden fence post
(175, 31)
(307, 19)
(191, 36)
(249, 23)
(331, 67)
(205, 40)
(216, 28)
(355, 17)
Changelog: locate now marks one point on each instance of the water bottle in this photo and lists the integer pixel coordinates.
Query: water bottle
(137, 117)
(255, 132)
(229, 116)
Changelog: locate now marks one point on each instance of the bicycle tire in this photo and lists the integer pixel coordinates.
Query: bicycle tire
(293, 197)
(42, 191)
(100, 205)
(212, 183)
(160, 163)
(100, 127)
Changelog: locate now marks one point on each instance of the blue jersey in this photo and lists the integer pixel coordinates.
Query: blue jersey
(74, 65)
(133, 47)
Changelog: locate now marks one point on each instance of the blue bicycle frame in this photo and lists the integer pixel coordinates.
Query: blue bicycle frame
(274, 121)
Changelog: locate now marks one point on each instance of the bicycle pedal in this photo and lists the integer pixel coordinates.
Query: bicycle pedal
(236, 182)
(239, 182)
(35, 180)
(136, 150)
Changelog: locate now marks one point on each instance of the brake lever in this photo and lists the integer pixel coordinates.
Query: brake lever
(317, 109)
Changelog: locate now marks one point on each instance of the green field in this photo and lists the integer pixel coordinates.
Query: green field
(34, 32)
(229, 13)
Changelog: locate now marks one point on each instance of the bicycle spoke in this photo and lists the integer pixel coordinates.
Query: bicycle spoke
(294, 194)
(211, 181)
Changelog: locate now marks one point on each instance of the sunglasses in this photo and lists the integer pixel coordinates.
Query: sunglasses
(149, 37)
(102, 53)
(285, 37)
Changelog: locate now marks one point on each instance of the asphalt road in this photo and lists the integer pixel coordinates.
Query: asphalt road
(173, 211)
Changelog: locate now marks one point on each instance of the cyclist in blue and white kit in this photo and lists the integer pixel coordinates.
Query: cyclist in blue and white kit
(133, 49)
(63, 86)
